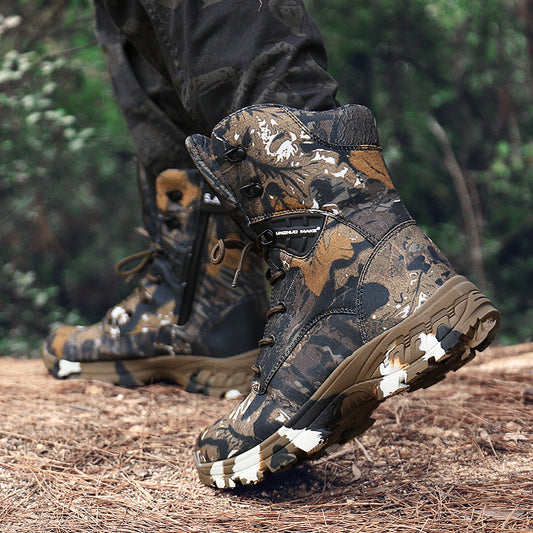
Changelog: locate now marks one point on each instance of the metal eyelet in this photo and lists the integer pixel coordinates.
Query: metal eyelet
(173, 223)
(252, 190)
(174, 195)
(267, 341)
(267, 237)
(235, 155)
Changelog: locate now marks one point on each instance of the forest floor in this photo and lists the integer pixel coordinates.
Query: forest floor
(83, 456)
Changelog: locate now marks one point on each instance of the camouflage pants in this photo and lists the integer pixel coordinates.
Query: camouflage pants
(180, 66)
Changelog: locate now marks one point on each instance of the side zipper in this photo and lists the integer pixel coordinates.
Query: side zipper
(191, 269)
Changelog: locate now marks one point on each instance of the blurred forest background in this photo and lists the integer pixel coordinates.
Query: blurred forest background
(450, 82)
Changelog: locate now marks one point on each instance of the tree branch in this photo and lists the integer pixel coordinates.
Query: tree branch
(465, 200)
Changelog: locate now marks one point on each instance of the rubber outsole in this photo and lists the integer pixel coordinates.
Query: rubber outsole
(228, 377)
(441, 336)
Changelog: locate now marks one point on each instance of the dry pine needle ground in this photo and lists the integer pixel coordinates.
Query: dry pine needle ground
(80, 456)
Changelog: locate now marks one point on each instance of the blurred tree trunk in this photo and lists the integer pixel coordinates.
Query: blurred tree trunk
(466, 204)
(528, 15)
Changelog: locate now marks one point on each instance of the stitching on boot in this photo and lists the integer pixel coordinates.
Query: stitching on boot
(341, 220)
(377, 249)
(338, 147)
(303, 331)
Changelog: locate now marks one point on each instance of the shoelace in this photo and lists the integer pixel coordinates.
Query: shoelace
(144, 258)
(280, 307)
(217, 256)
(219, 251)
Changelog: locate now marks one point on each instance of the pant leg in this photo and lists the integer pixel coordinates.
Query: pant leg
(152, 111)
(222, 55)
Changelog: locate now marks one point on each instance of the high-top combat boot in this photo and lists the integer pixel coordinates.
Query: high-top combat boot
(363, 304)
(184, 322)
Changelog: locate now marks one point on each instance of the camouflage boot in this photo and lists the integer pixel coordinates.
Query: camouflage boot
(184, 322)
(363, 304)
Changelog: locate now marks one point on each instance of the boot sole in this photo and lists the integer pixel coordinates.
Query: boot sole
(441, 336)
(228, 377)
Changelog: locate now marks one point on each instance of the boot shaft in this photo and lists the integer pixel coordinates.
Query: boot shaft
(184, 225)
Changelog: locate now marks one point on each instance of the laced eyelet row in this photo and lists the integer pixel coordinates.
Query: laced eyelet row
(265, 239)
(280, 307)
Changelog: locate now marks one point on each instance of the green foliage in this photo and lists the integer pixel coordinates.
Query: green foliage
(63, 153)
(464, 66)
(449, 82)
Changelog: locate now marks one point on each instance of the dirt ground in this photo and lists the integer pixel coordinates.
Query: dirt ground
(81, 456)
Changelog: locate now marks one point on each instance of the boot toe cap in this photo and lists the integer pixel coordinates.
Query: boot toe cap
(55, 343)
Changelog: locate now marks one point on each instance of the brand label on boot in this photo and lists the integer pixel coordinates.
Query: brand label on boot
(210, 202)
(299, 231)
(296, 233)
(210, 199)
